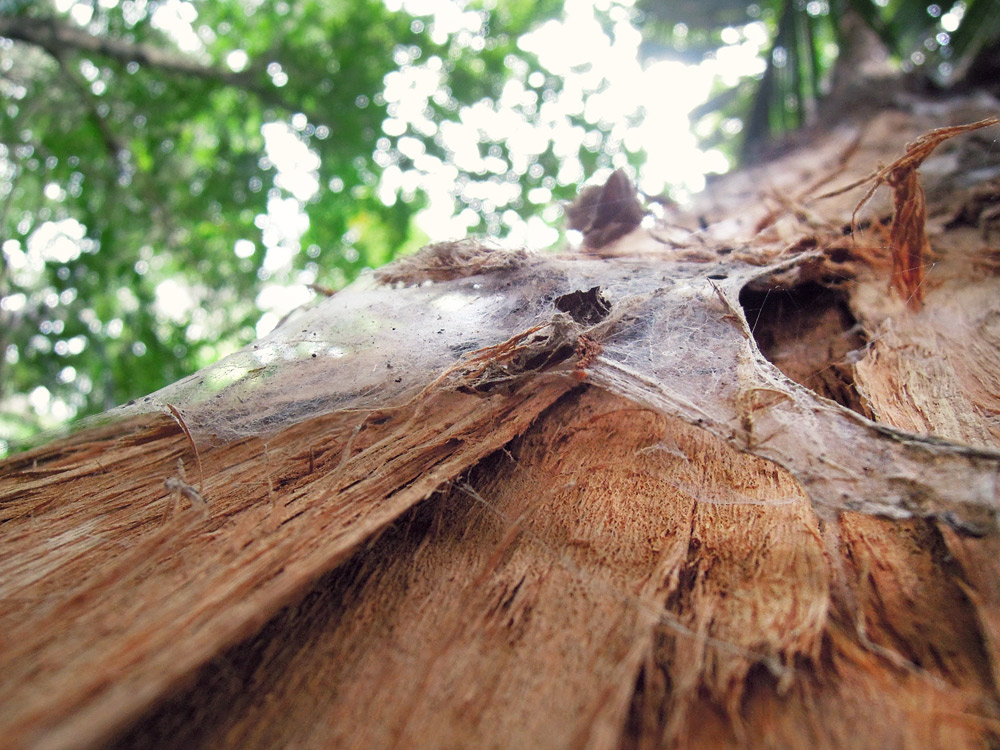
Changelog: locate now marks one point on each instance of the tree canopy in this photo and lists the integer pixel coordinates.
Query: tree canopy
(167, 167)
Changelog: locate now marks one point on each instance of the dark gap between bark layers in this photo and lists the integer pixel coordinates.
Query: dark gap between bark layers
(808, 332)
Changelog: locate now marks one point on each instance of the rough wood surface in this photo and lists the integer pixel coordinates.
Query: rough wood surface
(571, 587)
(113, 590)
(524, 559)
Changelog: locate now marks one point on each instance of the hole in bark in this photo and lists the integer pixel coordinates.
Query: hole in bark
(586, 308)
(759, 683)
(839, 255)
(809, 333)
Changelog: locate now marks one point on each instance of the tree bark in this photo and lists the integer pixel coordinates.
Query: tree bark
(731, 486)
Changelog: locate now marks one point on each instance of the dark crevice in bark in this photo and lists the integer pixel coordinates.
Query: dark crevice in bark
(808, 332)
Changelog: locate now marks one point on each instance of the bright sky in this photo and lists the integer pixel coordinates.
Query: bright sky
(665, 92)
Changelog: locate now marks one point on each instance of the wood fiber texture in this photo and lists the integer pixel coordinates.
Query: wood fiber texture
(571, 592)
(113, 591)
(523, 603)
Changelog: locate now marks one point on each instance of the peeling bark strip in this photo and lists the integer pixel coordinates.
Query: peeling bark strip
(145, 577)
(907, 236)
(619, 545)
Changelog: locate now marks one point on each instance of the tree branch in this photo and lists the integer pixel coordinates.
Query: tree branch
(56, 36)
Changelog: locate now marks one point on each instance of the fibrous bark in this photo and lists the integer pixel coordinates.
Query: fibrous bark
(695, 487)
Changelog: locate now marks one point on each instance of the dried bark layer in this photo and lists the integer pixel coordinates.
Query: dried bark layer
(582, 514)
(115, 589)
(575, 591)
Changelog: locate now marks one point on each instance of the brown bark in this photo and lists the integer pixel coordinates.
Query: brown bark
(611, 523)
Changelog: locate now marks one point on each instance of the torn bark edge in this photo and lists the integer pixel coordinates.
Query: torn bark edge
(176, 414)
(505, 365)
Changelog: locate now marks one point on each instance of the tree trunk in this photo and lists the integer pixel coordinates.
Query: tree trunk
(725, 481)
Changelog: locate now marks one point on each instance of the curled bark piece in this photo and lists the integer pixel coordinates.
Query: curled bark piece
(604, 213)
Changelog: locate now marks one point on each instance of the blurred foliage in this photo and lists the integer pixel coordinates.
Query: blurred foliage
(133, 153)
(810, 43)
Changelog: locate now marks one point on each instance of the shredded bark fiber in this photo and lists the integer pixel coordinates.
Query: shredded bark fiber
(156, 590)
(588, 512)
(907, 236)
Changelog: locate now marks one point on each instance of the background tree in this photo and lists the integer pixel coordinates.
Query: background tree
(816, 51)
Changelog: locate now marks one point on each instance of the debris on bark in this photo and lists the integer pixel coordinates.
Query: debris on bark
(444, 261)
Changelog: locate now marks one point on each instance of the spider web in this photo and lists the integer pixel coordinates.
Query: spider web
(674, 339)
